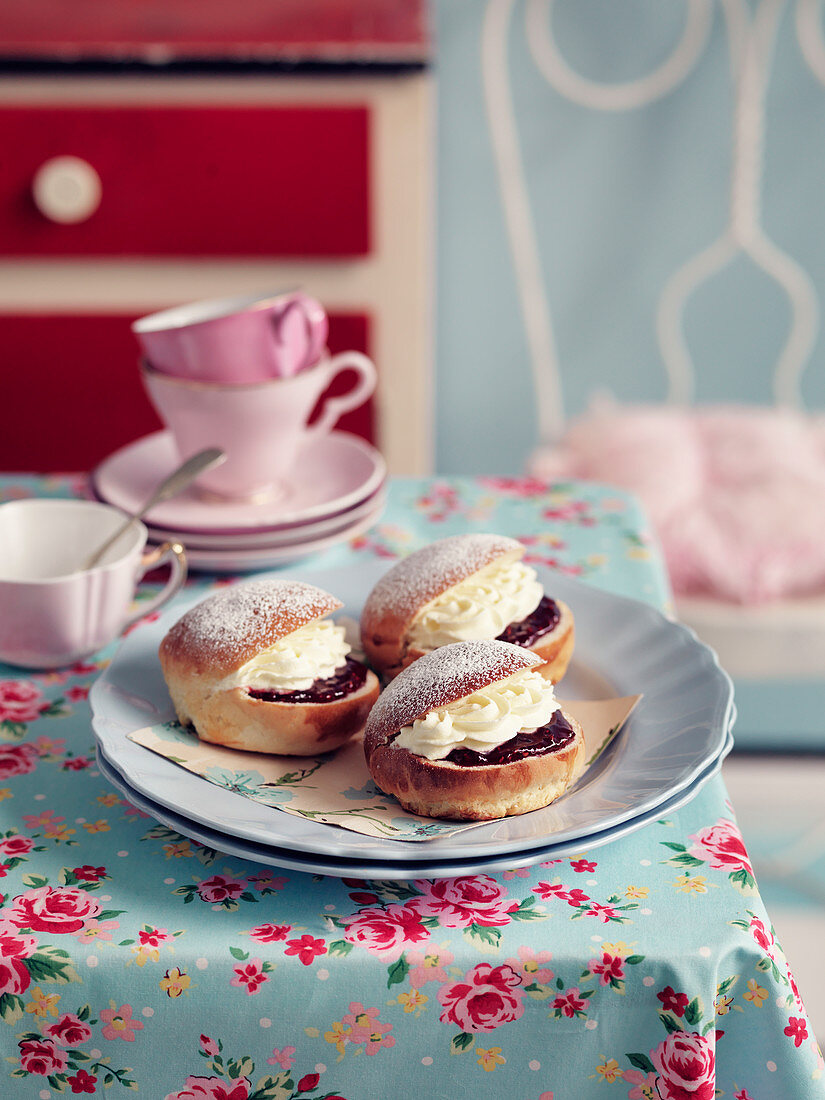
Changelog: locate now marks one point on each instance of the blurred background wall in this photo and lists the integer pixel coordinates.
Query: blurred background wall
(618, 199)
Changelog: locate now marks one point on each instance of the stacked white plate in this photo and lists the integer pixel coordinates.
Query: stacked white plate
(674, 741)
(336, 493)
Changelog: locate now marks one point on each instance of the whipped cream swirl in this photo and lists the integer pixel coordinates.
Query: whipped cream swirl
(482, 606)
(313, 652)
(484, 720)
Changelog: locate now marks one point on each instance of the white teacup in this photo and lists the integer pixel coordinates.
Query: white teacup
(262, 426)
(54, 612)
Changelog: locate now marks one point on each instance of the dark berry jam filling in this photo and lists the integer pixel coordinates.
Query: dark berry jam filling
(541, 621)
(350, 677)
(555, 735)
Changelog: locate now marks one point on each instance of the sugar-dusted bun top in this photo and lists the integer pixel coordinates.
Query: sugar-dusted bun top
(422, 576)
(440, 678)
(224, 631)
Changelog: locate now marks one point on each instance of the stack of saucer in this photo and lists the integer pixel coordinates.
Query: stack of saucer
(335, 492)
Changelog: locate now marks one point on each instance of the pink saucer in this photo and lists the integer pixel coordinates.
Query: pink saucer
(333, 474)
(279, 536)
(231, 560)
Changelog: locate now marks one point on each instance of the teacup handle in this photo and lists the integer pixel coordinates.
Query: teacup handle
(175, 554)
(364, 388)
(315, 321)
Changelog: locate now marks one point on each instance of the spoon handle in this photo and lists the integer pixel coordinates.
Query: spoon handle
(175, 483)
(180, 478)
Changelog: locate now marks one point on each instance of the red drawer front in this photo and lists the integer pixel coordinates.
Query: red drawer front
(327, 30)
(245, 181)
(71, 394)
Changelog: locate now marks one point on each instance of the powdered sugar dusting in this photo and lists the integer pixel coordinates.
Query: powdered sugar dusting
(428, 572)
(234, 623)
(441, 677)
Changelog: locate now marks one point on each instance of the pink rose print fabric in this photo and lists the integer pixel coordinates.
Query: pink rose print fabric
(687, 1067)
(459, 902)
(17, 760)
(212, 1088)
(58, 910)
(14, 948)
(16, 845)
(488, 997)
(146, 955)
(21, 701)
(721, 845)
(69, 1031)
(42, 1057)
(385, 932)
(220, 888)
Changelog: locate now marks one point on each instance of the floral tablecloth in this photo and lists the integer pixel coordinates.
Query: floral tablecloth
(132, 959)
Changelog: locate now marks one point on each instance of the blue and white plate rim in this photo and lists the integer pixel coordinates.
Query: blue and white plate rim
(273, 856)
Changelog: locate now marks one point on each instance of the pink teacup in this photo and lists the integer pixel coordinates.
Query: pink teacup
(262, 427)
(235, 340)
(53, 611)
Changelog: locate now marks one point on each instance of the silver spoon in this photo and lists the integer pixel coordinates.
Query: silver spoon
(175, 483)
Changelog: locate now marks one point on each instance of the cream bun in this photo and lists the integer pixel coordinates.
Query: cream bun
(464, 588)
(471, 732)
(258, 666)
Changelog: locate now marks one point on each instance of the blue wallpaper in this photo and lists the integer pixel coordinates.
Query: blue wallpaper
(619, 200)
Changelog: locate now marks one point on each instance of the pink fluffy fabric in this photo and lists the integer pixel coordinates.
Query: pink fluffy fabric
(736, 494)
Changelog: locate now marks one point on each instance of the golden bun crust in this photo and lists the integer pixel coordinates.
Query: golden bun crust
(414, 582)
(437, 788)
(221, 633)
(236, 720)
(218, 636)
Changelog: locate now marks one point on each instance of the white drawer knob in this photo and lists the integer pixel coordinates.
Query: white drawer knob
(66, 190)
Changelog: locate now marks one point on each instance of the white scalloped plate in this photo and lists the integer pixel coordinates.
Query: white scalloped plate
(623, 647)
(273, 856)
